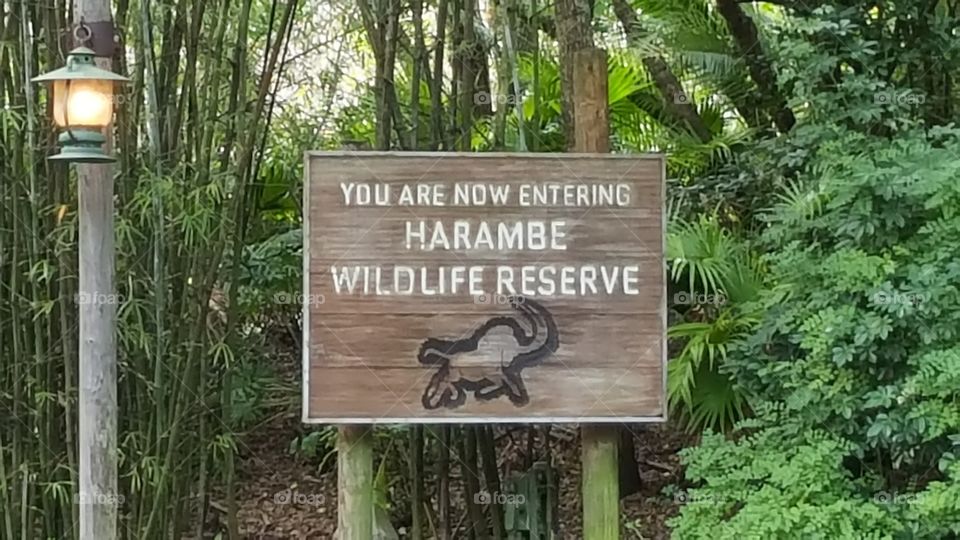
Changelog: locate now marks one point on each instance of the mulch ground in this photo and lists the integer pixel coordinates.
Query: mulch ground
(287, 495)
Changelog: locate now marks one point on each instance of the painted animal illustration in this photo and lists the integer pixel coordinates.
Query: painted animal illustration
(490, 362)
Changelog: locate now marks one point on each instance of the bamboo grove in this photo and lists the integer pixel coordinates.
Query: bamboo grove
(190, 134)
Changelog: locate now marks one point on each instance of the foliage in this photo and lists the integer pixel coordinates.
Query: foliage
(853, 366)
(814, 271)
(318, 443)
(194, 184)
(777, 483)
(716, 278)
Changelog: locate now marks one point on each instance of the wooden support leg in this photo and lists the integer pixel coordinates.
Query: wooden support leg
(600, 487)
(600, 482)
(355, 483)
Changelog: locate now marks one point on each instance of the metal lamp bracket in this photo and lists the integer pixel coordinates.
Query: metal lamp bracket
(101, 37)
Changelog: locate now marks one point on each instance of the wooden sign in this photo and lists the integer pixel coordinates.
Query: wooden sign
(483, 287)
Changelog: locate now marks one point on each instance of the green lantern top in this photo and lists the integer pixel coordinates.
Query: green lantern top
(80, 65)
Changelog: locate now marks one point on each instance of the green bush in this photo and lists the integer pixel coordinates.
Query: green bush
(854, 367)
(852, 370)
(783, 483)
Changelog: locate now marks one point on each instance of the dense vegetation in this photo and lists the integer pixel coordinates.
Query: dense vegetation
(814, 246)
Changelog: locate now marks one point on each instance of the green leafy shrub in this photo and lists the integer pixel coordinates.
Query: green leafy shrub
(854, 364)
(776, 483)
(852, 368)
(783, 483)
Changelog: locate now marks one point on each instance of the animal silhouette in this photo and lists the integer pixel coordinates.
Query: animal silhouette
(464, 365)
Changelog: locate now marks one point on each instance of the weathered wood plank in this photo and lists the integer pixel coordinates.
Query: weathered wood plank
(599, 481)
(499, 237)
(355, 392)
(644, 173)
(595, 341)
(355, 500)
(327, 301)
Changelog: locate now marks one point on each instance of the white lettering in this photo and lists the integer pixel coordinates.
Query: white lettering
(557, 234)
(396, 279)
(630, 280)
(346, 189)
(406, 196)
(411, 235)
(341, 280)
(609, 280)
(505, 280)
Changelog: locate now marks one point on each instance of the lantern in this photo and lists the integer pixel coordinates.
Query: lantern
(82, 106)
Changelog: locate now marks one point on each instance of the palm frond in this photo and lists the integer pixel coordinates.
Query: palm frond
(796, 202)
(696, 389)
(702, 250)
(715, 405)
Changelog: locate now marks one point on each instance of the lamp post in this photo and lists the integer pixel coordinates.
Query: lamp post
(82, 97)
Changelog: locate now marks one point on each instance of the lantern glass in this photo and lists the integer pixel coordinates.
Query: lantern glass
(82, 103)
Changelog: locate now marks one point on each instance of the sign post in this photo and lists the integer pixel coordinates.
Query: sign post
(355, 482)
(600, 480)
(478, 288)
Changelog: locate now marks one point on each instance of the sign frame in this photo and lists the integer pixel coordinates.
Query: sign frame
(473, 419)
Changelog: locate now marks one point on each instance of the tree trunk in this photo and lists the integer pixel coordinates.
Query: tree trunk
(418, 58)
(468, 77)
(629, 472)
(355, 483)
(746, 36)
(471, 482)
(678, 103)
(443, 490)
(416, 482)
(491, 474)
(574, 33)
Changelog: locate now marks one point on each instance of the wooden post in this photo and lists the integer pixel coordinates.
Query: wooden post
(98, 357)
(97, 304)
(599, 485)
(591, 116)
(600, 480)
(355, 483)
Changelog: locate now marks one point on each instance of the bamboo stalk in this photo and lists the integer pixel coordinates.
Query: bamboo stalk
(467, 75)
(515, 74)
(471, 482)
(443, 490)
(5, 498)
(456, 63)
(535, 120)
(488, 455)
(419, 56)
(436, 94)
(416, 481)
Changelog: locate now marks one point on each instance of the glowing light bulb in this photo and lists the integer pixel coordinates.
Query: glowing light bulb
(88, 108)
(83, 103)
